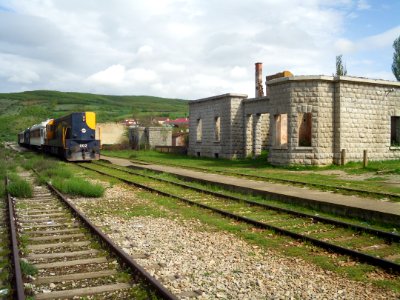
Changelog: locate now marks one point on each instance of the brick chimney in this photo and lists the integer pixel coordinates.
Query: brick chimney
(259, 85)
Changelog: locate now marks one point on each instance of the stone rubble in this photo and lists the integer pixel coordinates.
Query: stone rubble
(195, 262)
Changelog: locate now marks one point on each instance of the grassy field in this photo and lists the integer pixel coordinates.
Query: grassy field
(21, 110)
(381, 176)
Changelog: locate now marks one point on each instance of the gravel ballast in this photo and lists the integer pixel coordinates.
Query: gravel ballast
(193, 261)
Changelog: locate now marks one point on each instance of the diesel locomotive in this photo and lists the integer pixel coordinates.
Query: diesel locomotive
(72, 137)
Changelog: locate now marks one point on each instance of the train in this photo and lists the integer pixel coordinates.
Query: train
(72, 137)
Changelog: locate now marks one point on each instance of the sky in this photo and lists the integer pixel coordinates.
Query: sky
(188, 49)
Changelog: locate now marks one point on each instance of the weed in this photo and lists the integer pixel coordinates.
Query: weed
(28, 269)
(19, 187)
(78, 187)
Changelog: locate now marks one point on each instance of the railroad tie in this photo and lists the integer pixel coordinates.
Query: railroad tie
(69, 263)
(75, 276)
(57, 237)
(58, 245)
(63, 254)
(83, 291)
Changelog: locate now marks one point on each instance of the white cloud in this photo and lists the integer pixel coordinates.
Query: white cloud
(172, 48)
(344, 46)
(363, 5)
(113, 75)
(24, 76)
(239, 72)
(145, 50)
(382, 40)
(119, 76)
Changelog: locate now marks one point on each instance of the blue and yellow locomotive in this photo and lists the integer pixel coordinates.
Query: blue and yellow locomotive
(72, 137)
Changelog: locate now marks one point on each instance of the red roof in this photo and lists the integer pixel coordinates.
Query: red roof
(179, 121)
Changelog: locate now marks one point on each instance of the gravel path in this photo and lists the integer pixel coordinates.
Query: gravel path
(194, 262)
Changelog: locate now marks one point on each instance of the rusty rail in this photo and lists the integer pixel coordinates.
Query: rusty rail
(139, 272)
(17, 280)
(363, 257)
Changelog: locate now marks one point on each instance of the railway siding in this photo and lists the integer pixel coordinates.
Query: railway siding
(5, 286)
(189, 256)
(318, 233)
(379, 211)
(60, 259)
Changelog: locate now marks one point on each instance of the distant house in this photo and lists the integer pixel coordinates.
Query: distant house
(178, 122)
(149, 137)
(181, 123)
(110, 133)
(160, 120)
(130, 122)
(179, 139)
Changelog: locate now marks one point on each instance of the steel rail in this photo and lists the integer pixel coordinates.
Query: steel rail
(18, 282)
(380, 233)
(373, 260)
(264, 178)
(138, 270)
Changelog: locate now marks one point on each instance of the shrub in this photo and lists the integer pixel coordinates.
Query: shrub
(28, 269)
(57, 171)
(18, 187)
(78, 187)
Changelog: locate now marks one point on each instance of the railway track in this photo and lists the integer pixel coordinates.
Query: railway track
(64, 256)
(376, 247)
(335, 188)
(5, 259)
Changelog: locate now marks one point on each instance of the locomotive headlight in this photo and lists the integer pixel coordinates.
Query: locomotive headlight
(83, 130)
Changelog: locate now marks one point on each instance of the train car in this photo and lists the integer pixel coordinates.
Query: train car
(38, 135)
(21, 138)
(24, 138)
(73, 137)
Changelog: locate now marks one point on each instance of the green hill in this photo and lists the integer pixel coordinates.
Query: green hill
(21, 110)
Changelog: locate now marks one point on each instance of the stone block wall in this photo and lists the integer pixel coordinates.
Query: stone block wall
(366, 108)
(347, 113)
(227, 107)
(149, 137)
(111, 133)
(256, 125)
(309, 120)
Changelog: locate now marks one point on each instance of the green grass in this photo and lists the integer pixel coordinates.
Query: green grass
(78, 187)
(21, 110)
(19, 187)
(259, 167)
(28, 269)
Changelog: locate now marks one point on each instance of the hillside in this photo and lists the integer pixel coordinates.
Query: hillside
(21, 110)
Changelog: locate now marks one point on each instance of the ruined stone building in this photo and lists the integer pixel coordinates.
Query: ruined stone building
(303, 120)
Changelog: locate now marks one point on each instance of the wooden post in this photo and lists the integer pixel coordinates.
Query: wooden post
(365, 159)
(343, 157)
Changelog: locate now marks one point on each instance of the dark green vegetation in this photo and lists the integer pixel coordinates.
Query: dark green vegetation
(379, 176)
(28, 269)
(19, 187)
(153, 205)
(396, 59)
(21, 110)
(59, 174)
(5, 262)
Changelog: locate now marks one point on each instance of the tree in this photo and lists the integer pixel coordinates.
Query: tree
(340, 69)
(396, 58)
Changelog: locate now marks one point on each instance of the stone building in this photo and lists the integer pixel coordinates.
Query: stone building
(110, 133)
(303, 120)
(149, 137)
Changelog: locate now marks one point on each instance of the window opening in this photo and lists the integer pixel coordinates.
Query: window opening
(281, 127)
(199, 130)
(305, 121)
(395, 131)
(217, 129)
